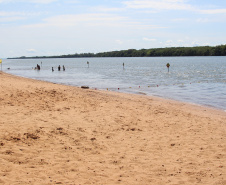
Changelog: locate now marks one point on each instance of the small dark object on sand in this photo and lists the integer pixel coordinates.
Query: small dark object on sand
(84, 87)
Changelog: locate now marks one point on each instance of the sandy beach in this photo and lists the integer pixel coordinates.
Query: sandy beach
(57, 134)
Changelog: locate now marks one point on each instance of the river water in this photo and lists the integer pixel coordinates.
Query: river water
(198, 80)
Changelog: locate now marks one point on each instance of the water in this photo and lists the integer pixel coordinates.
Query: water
(199, 80)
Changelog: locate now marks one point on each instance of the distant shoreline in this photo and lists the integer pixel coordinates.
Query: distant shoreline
(157, 52)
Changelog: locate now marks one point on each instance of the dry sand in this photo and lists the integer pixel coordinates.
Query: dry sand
(56, 134)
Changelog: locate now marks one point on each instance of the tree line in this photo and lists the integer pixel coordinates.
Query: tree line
(157, 52)
(167, 52)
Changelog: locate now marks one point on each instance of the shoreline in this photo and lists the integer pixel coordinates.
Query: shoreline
(131, 93)
(59, 134)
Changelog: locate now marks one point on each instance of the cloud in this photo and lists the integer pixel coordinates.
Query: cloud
(213, 11)
(73, 20)
(196, 43)
(107, 9)
(119, 41)
(29, 1)
(10, 19)
(42, 1)
(72, 1)
(147, 39)
(203, 20)
(158, 4)
(169, 43)
(180, 20)
(16, 16)
(31, 50)
(170, 5)
(4, 13)
(180, 41)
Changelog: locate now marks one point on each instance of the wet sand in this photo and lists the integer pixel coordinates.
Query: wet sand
(57, 134)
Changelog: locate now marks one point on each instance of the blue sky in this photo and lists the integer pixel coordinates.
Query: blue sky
(57, 27)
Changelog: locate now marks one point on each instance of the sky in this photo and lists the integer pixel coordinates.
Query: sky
(59, 27)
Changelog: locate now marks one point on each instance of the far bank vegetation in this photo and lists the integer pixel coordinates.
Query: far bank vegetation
(157, 52)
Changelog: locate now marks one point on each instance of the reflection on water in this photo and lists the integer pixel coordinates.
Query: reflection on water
(200, 80)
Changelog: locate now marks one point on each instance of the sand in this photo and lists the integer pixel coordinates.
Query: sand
(57, 134)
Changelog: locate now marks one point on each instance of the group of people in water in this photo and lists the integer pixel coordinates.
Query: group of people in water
(38, 67)
(59, 68)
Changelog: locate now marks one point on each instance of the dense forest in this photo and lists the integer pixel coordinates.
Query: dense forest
(158, 52)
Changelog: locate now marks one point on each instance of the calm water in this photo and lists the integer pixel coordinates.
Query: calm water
(199, 80)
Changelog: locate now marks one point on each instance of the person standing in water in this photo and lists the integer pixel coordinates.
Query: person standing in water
(38, 67)
(52, 69)
(59, 68)
(63, 68)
